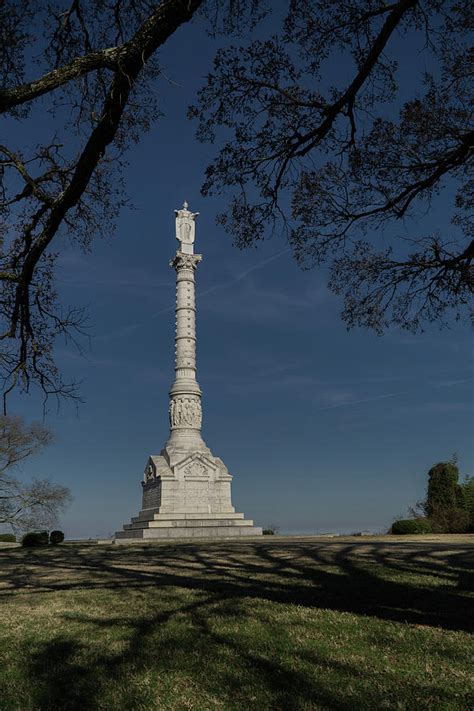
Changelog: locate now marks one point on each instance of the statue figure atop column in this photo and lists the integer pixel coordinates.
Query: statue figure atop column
(185, 228)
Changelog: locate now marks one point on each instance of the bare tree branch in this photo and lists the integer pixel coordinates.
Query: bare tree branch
(105, 59)
(332, 161)
(55, 185)
(26, 505)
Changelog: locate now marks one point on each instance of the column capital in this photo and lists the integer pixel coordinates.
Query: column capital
(185, 261)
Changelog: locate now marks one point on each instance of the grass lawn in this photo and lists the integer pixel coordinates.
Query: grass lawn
(276, 623)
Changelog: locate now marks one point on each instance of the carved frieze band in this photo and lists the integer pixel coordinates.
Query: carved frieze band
(185, 412)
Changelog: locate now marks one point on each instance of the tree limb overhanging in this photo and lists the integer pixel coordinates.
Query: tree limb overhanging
(322, 159)
(105, 59)
(335, 159)
(55, 188)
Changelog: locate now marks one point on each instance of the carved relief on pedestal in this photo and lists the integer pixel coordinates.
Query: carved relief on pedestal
(185, 412)
(149, 473)
(196, 469)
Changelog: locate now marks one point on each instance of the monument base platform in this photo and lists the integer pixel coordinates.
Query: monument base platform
(186, 494)
(151, 525)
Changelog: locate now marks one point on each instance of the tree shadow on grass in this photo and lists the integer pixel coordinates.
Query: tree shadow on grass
(65, 675)
(419, 584)
(58, 680)
(66, 684)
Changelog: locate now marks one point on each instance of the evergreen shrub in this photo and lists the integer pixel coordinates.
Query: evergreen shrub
(406, 526)
(56, 537)
(449, 505)
(467, 499)
(35, 539)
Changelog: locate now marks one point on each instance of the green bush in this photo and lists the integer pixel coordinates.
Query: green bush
(268, 532)
(467, 500)
(56, 537)
(447, 502)
(410, 525)
(35, 539)
(7, 538)
(443, 488)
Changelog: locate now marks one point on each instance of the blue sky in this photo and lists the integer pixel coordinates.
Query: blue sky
(323, 429)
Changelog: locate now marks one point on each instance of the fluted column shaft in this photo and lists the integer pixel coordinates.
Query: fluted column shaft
(185, 361)
(185, 394)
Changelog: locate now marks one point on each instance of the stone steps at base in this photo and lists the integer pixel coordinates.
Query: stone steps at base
(150, 534)
(188, 523)
(156, 515)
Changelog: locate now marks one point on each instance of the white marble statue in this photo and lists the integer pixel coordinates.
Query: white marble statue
(185, 228)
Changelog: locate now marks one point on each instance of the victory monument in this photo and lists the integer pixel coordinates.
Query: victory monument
(186, 489)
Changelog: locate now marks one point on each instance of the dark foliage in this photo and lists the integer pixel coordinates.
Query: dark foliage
(406, 526)
(336, 165)
(35, 539)
(442, 487)
(467, 500)
(449, 506)
(444, 501)
(449, 519)
(7, 538)
(268, 532)
(56, 537)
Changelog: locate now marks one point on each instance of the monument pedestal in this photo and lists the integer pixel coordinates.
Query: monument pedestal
(186, 490)
(186, 497)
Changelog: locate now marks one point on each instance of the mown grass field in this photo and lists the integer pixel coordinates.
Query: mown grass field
(268, 624)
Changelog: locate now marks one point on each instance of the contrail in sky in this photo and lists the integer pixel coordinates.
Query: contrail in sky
(131, 328)
(236, 279)
(245, 273)
(401, 392)
(368, 399)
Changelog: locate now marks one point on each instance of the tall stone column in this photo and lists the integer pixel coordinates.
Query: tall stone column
(186, 488)
(185, 409)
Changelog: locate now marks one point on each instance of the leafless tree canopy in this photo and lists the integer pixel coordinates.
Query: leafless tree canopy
(337, 161)
(26, 505)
